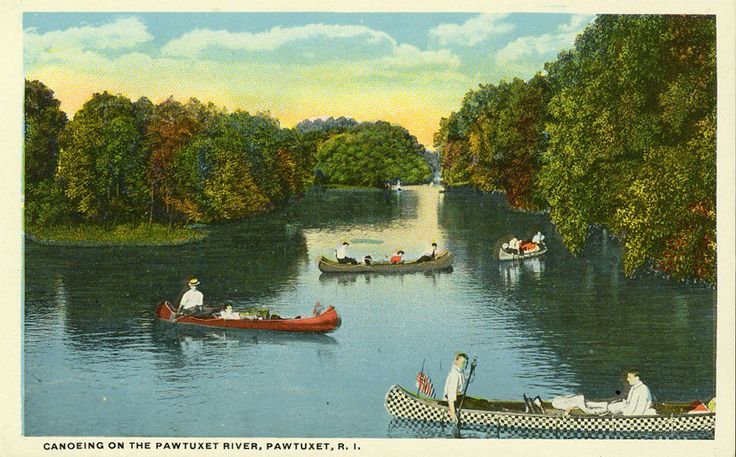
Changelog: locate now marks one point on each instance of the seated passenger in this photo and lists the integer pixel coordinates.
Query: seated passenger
(514, 245)
(639, 400)
(341, 253)
(429, 255)
(538, 239)
(228, 313)
(505, 248)
(398, 257)
(367, 260)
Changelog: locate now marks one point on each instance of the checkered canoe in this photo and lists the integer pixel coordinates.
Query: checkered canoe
(403, 404)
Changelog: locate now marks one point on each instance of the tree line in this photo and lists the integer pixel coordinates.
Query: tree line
(618, 133)
(119, 161)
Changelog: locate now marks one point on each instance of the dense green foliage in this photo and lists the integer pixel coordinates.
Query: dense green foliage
(620, 133)
(372, 154)
(496, 140)
(44, 121)
(102, 164)
(119, 163)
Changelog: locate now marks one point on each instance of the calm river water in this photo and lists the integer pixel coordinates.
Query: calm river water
(97, 362)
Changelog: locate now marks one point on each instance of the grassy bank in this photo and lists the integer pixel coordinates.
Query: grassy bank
(129, 235)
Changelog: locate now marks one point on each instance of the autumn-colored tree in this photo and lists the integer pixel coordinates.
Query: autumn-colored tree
(171, 126)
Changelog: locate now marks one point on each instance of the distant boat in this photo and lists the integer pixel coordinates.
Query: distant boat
(397, 187)
(503, 255)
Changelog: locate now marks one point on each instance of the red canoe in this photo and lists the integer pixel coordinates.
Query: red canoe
(322, 323)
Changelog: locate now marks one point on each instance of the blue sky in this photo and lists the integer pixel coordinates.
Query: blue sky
(406, 68)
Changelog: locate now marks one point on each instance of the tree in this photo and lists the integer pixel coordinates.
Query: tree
(44, 122)
(171, 127)
(632, 140)
(372, 154)
(101, 165)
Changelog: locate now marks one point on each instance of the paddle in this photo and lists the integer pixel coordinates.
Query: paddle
(456, 430)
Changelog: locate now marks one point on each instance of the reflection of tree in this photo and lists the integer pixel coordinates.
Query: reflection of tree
(600, 324)
(479, 223)
(348, 208)
(583, 309)
(113, 290)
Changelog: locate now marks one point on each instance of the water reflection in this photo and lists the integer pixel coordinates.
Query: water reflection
(546, 325)
(404, 428)
(512, 273)
(347, 279)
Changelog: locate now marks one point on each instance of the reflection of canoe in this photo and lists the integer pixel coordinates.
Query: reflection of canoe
(212, 334)
(325, 322)
(329, 278)
(503, 255)
(672, 417)
(443, 261)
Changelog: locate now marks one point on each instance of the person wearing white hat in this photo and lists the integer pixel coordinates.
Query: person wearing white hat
(192, 300)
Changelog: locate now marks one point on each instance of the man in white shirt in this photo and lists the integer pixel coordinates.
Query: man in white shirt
(538, 238)
(342, 254)
(192, 299)
(454, 384)
(639, 400)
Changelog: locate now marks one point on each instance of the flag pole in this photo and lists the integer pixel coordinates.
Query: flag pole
(421, 371)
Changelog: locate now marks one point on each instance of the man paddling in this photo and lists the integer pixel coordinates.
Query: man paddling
(192, 300)
(454, 384)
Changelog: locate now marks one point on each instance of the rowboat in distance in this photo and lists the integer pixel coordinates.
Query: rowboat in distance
(499, 415)
(325, 322)
(504, 255)
(442, 261)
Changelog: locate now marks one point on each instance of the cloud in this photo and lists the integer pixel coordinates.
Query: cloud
(472, 31)
(122, 33)
(406, 55)
(533, 51)
(577, 23)
(192, 44)
(355, 71)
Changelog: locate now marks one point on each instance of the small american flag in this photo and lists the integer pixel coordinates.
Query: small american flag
(424, 384)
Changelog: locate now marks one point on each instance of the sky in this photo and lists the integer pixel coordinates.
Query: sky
(410, 69)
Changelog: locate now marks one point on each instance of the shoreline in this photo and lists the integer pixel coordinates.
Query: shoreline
(192, 235)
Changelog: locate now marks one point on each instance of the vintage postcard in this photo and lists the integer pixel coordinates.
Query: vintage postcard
(369, 229)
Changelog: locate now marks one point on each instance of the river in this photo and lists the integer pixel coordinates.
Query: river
(96, 362)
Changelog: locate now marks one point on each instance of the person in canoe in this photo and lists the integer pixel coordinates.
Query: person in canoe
(429, 255)
(638, 402)
(538, 239)
(341, 253)
(514, 245)
(192, 301)
(228, 312)
(397, 257)
(454, 384)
